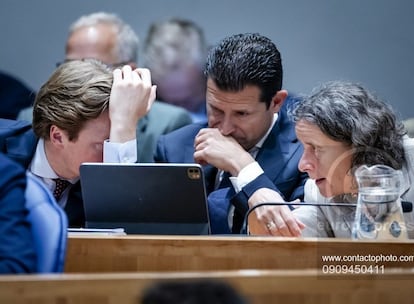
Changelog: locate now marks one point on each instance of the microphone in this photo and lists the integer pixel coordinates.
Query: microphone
(246, 217)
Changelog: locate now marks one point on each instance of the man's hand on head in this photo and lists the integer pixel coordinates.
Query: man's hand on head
(131, 98)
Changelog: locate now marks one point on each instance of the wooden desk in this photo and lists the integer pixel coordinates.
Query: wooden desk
(273, 286)
(203, 253)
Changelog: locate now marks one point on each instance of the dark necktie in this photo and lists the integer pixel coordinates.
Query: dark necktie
(238, 221)
(239, 212)
(224, 180)
(61, 185)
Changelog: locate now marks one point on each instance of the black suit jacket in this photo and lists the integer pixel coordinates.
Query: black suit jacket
(18, 141)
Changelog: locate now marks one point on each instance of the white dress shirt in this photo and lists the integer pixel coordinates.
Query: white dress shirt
(113, 153)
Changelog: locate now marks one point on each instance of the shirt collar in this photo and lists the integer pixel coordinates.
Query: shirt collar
(40, 165)
(262, 140)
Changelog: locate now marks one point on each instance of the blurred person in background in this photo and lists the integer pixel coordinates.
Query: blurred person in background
(192, 292)
(14, 96)
(108, 38)
(175, 51)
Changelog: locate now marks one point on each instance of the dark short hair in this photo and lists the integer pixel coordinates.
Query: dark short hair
(202, 291)
(347, 112)
(246, 59)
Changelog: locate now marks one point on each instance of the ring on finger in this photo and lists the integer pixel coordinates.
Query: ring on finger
(271, 225)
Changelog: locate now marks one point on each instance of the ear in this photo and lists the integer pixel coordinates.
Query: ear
(277, 100)
(57, 136)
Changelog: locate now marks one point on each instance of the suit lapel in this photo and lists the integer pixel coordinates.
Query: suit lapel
(277, 150)
(210, 173)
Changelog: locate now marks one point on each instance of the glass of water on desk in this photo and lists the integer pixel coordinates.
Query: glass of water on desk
(379, 213)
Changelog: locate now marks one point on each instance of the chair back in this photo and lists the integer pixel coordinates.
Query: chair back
(49, 226)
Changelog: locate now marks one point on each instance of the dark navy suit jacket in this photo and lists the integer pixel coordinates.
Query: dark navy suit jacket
(17, 250)
(18, 142)
(14, 96)
(278, 157)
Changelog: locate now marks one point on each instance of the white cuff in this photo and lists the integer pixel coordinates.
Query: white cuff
(120, 152)
(246, 175)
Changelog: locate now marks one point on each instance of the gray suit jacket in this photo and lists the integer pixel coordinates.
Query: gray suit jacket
(161, 119)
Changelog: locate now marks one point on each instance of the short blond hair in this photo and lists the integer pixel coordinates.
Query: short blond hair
(77, 92)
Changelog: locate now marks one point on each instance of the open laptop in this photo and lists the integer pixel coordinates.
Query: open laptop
(145, 198)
